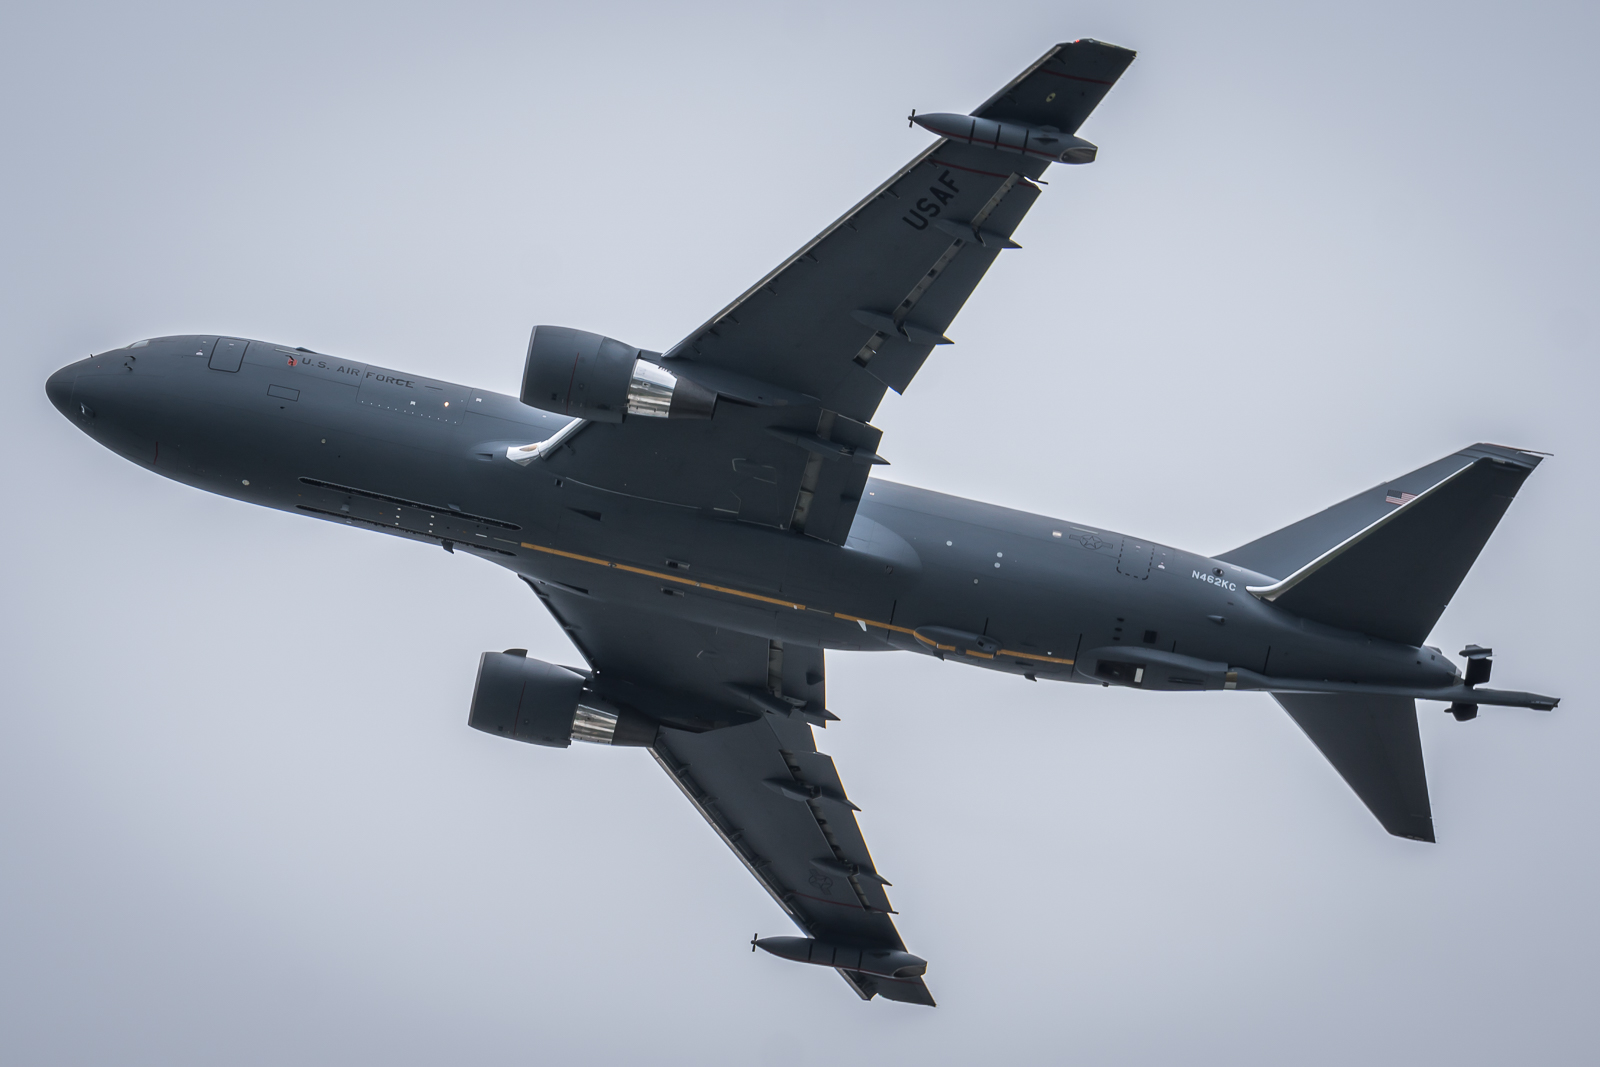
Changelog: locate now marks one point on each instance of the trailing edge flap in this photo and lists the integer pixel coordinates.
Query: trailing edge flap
(1387, 561)
(1372, 741)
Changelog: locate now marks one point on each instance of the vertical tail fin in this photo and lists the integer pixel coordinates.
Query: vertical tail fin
(1387, 561)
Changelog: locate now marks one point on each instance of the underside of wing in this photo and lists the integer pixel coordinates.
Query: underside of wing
(802, 359)
(1062, 88)
(736, 714)
(779, 805)
(860, 306)
(783, 467)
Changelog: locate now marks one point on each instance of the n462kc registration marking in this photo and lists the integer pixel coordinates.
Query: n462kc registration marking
(1214, 580)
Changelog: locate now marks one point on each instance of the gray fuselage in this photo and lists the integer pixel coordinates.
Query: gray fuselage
(423, 459)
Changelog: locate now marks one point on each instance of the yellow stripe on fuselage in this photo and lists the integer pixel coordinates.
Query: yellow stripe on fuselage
(680, 580)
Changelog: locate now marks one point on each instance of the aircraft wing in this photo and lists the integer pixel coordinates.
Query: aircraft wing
(802, 358)
(760, 782)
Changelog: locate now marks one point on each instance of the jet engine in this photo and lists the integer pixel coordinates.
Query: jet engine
(572, 372)
(543, 704)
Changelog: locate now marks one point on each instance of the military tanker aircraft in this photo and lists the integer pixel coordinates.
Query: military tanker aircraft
(703, 524)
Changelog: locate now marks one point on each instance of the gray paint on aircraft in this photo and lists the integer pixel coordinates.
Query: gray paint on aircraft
(920, 523)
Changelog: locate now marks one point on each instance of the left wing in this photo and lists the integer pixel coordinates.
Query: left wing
(741, 748)
(802, 359)
(861, 306)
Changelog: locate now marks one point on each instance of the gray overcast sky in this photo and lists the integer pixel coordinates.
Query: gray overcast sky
(242, 819)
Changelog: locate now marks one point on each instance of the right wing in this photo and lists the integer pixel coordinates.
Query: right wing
(1062, 88)
(739, 744)
(779, 805)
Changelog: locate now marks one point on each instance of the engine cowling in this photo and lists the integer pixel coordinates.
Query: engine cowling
(573, 372)
(530, 700)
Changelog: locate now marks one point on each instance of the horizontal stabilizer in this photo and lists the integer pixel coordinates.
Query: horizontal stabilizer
(1373, 742)
(1387, 561)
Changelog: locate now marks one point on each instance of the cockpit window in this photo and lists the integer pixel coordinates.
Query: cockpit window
(139, 344)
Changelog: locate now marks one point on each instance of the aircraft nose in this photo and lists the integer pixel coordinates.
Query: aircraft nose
(59, 388)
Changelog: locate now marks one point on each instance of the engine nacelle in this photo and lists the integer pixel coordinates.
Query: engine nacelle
(543, 704)
(573, 372)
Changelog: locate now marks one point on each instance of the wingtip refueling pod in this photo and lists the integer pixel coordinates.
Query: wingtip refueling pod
(882, 962)
(1041, 142)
